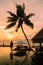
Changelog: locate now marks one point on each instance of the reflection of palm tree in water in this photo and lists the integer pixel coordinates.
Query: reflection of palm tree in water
(11, 57)
(16, 61)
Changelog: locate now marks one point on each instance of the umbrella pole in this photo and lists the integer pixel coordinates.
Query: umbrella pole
(40, 47)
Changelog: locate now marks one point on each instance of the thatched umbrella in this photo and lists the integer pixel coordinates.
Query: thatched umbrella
(38, 38)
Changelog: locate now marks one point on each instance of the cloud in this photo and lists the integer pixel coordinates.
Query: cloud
(2, 27)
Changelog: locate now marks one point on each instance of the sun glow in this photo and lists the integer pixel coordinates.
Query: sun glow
(10, 36)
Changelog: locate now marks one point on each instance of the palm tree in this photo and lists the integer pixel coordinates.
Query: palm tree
(21, 18)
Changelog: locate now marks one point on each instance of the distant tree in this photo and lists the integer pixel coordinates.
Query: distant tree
(20, 17)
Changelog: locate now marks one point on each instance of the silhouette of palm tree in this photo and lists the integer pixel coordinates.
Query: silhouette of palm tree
(21, 18)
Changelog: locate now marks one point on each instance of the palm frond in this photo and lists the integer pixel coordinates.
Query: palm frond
(23, 6)
(20, 11)
(11, 19)
(12, 14)
(30, 15)
(19, 24)
(10, 25)
(28, 22)
(31, 25)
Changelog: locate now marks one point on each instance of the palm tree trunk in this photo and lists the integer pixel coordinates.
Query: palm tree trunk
(25, 36)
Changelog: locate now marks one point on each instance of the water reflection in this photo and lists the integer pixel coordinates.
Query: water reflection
(8, 57)
(18, 62)
(11, 55)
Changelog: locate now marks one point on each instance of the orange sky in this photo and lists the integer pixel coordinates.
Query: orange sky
(32, 6)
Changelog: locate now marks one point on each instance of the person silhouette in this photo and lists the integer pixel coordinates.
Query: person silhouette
(11, 44)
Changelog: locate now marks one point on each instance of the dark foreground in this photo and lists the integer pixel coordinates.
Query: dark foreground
(19, 58)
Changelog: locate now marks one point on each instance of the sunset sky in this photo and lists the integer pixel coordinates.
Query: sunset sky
(31, 6)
